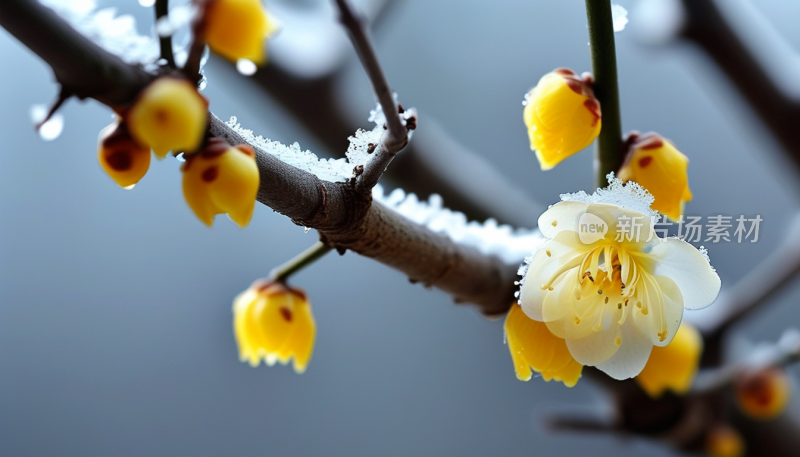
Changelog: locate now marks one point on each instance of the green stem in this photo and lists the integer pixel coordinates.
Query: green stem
(162, 10)
(609, 154)
(304, 259)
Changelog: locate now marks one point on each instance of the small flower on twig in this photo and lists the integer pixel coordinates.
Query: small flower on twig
(221, 179)
(236, 29)
(658, 166)
(273, 322)
(673, 366)
(169, 115)
(125, 160)
(562, 116)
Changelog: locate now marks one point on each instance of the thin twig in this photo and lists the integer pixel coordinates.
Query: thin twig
(302, 260)
(396, 136)
(198, 45)
(782, 353)
(63, 95)
(609, 155)
(165, 42)
(753, 291)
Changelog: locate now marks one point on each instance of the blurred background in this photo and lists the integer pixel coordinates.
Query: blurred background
(115, 305)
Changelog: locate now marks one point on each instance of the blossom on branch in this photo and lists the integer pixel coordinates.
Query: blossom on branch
(236, 29)
(763, 394)
(673, 366)
(272, 321)
(562, 116)
(125, 160)
(169, 115)
(612, 298)
(658, 166)
(221, 179)
(533, 347)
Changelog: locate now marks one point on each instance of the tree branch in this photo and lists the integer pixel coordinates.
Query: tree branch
(707, 28)
(396, 136)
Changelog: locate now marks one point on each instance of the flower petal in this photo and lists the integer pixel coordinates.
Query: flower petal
(634, 350)
(564, 215)
(552, 256)
(683, 263)
(596, 347)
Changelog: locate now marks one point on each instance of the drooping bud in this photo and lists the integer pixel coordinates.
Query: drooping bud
(274, 322)
(673, 366)
(763, 394)
(221, 179)
(169, 115)
(533, 347)
(562, 116)
(656, 164)
(724, 441)
(125, 160)
(236, 29)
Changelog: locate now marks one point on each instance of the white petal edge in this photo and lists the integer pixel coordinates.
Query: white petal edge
(684, 264)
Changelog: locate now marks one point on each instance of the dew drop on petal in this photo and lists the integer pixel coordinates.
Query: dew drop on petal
(246, 67)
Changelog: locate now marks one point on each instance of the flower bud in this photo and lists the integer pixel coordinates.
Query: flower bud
(763, 394)
(236, 29)
(221, 179)
(532, 346)
(274, 322)
(674, 365)
(125, 160)
(657, 165)
(724, 441)
(169, 115)
(562, 116)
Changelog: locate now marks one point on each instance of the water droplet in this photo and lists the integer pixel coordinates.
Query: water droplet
(180, 157)
(129, 187)
(147, 3)
(246, 67)
(51, 129)
(306, 229)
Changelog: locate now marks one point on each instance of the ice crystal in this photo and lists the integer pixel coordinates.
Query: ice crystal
(619, 17)
(628, 195)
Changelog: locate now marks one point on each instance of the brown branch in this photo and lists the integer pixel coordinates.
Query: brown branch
(345, 217)
(756, 289)
(396, 136)
(348, 219)
(164, 43)
(707, 27)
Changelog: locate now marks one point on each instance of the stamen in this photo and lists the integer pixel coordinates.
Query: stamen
(547, 251)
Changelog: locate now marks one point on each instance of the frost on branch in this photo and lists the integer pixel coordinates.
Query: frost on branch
(115, 34)
(510, 245)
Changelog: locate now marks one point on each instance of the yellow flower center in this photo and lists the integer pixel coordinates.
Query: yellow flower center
(605, 281)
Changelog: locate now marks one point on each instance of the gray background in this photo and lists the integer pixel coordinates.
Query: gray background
(115, 321)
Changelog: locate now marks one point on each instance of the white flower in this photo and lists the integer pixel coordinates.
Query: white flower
(607, 284)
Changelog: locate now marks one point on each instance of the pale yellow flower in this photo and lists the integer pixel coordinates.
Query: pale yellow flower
(274, 322)
(607, 284)
(562, 116)
(533, 347)
(673, 366)
(658, 166)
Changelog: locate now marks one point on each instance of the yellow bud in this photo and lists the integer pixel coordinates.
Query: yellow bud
(657, 165)
(221, 179)
(763, 394)
(724, 441)
(532, 346)
(169, 115)
(562, 116)
(673, 366)
(274, 322)
(125, 160)
(236, 29)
